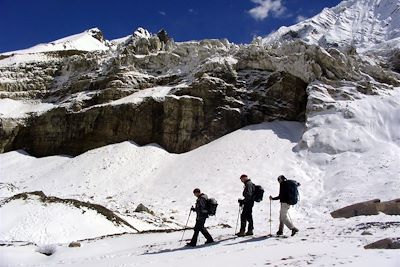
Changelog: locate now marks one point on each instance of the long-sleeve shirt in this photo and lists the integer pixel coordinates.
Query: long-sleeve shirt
(248, 191)
(284, 191)
(201, 206)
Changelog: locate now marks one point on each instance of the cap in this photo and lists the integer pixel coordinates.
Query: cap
(281, 178)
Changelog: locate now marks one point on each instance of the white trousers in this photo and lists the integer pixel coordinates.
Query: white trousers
(284, 218)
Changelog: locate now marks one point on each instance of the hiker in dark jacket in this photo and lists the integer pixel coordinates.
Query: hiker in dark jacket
(202, 215)
(247, 204)
(285, 206)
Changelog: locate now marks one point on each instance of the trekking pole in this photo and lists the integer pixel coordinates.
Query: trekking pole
(270, 217)
(186, 225)
(237, 221)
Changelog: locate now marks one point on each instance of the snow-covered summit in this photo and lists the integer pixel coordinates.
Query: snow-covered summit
(89, 40)
(359, 23)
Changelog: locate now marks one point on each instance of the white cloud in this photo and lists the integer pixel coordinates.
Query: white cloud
(162, 13)
(300, 18)
(266, 7)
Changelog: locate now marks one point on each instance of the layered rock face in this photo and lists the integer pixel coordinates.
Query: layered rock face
(149, 89)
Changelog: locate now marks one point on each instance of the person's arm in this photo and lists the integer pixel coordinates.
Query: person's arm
(203, 205)
(279, 196)
(248, 192)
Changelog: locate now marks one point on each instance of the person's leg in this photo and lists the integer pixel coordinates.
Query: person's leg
(204, 231)
(250, 218)
(196, 233)
(243, 219)
(285, 218)
(281, 221)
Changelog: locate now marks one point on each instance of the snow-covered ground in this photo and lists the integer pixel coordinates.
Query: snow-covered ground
(315, 247)
(52, 222)
(84, 41)
(344, 156)
(10, 108)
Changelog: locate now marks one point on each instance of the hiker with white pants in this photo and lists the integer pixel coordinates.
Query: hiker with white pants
(288, 195)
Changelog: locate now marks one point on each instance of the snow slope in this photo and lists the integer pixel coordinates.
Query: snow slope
(342, 156)
(84, 41)
(164, 250)
(361, 23)
(131, 174)
(52, 222)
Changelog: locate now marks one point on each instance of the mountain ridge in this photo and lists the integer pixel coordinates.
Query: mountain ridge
(359, 23)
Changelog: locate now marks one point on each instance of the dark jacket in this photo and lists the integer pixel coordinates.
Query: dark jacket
(284, 191)
(248, 192)
(201, 207)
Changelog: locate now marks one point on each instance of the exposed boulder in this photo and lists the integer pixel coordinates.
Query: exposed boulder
(372, 207)
(387, 243)
(74, 245)
(391, 207)
(48, 249)
(143, 208)
(359, 209)
(366, 233)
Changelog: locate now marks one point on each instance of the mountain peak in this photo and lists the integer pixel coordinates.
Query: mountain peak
(96, 33)
(89, 40)
(359, 23)
(141, 33)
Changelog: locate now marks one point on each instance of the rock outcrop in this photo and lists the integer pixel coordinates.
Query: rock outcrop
(386, 243)
(391, 207)
(372, 207)
(215, 87)
(41, 197)
(359, 209)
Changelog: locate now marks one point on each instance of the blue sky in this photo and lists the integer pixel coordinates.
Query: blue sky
(24, 23)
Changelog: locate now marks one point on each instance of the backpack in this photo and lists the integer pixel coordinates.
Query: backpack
(212, 206)
(258, 193)
(293, 192)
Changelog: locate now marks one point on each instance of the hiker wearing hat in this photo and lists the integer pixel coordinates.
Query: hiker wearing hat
(202, 215)
(247, 204)
(288, 196)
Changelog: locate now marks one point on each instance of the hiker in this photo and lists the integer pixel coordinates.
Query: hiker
(247, 206)
(202, 215)
(288, 196)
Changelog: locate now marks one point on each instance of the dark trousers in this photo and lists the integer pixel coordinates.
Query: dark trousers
(199, 227)
(247, 216)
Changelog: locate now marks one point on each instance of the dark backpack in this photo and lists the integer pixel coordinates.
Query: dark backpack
(293, 192)
(258, 193)
(212, 206)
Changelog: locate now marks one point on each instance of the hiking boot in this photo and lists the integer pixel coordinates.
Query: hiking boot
(279, 233)
(241, 233)
(294, 231)
(190, 244)
(209, 242)
(249, 232)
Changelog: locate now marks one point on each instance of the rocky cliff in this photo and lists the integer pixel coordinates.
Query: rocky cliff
(149, 89)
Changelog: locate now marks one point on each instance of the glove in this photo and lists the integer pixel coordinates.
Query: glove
(241, 202)
(192, 209)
